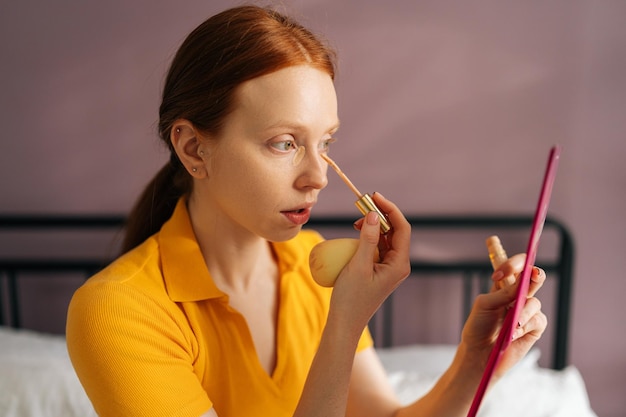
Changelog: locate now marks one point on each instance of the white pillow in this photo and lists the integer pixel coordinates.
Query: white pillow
(37, 378)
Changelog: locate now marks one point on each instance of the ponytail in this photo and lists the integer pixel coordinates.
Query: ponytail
(156, 204)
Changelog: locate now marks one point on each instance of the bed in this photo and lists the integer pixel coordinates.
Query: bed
(415, 331)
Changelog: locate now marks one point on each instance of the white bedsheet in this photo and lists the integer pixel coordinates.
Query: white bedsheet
(37, 380)
(527, 390)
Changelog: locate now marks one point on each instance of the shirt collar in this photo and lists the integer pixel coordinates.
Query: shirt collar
(184, 270)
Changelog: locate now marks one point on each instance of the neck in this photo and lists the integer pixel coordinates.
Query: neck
(236, 258)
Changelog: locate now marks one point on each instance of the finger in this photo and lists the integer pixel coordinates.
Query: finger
(500, 280)
(532, 307)
(358, 224)
(384, 243)
(532, 329)
(510, 269)
(496, 300)
(368, 242)
(400, 234)
(537, 278)
(514, 264)
(390, 209)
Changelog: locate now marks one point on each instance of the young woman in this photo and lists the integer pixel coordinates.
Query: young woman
(212, 310)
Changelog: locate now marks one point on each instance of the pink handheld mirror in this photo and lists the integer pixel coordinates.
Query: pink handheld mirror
(512, 316)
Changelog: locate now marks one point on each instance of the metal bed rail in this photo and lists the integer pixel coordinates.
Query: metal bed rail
(561, 268)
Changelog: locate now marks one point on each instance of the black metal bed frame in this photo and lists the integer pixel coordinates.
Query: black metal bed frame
(561, 268)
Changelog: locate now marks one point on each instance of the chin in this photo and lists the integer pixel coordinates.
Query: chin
(283, 235)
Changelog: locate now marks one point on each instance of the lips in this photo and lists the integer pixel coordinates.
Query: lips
(298, 216)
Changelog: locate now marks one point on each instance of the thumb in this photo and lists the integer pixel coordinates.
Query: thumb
(368, 241)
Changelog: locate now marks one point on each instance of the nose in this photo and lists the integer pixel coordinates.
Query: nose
(312, 171)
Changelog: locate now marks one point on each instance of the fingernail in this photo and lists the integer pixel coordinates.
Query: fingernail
(372, 218)
(497, 276)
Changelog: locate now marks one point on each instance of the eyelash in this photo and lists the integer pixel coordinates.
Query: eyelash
(326, 143)
(291, 143)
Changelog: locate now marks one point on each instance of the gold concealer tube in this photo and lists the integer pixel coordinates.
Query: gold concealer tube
(365, 203)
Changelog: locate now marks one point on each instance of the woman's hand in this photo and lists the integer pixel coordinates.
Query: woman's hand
(364, 284)
(487, 315)
(359, 290)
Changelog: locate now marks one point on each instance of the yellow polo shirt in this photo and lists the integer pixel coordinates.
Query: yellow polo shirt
(152, 335)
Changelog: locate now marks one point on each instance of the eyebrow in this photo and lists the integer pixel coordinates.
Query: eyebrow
(282, 124)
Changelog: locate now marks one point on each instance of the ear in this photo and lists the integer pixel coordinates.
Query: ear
(186, 143)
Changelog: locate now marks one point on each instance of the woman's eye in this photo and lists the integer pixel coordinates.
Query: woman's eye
(284, 145)
(325, 144)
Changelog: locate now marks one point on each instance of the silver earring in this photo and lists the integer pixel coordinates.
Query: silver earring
(178, 130)
(194, 169)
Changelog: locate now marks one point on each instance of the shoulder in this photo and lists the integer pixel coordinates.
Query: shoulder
(132, 285)
(139, 268)
(130, 344)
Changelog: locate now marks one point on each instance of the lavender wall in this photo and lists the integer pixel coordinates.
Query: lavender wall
(445, 107)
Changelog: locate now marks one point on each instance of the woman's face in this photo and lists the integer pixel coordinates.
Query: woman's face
(254, 182)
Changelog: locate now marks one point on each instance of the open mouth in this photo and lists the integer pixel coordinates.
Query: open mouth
(299, 216)
(298, 211)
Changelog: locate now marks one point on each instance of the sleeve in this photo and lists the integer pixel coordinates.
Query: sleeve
(365, 341)
(130, 355)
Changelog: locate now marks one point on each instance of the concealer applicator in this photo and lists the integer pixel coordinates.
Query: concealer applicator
(365, 203)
